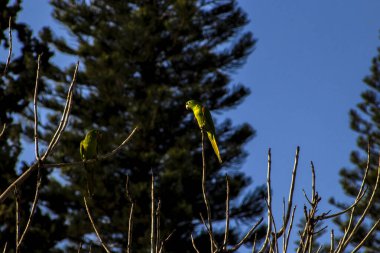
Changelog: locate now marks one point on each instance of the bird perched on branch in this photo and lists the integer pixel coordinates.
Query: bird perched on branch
(205, 123)
(89, 150)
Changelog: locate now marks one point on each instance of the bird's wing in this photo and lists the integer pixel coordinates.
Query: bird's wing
(208, 120)
(81, 149)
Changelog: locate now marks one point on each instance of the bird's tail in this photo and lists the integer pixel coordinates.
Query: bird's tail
(90, 180)
(214, 145)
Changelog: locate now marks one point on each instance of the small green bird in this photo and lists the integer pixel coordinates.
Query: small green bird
(205, 122)
(89, 150)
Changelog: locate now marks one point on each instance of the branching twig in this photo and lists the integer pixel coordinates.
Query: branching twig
(367, 236)
(164, 241)
(28, 172)
(54, 140)
(65, 115)
(209, 232)
(94, 227)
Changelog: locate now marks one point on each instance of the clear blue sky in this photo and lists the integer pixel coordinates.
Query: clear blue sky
(305, 75)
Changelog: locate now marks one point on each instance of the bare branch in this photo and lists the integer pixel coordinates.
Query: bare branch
(269, 197)
(164, 241)
(357, 200)
(291, 191)
(332, 241)
(130, 220)
(152, 231)
(33, 209)
(290, 229)
(36, 149)
(347, 229)
(94, 227)
(193, 242)
(209, 231)
(65, 115)
(205, 198)
(246, 237)
(254, 243)
(5, 247)
(226, 231)
(158, 236)
(80, 247)
(17, 199)
(2, 131)
(367, 236)
(28, 172)
(10, 46)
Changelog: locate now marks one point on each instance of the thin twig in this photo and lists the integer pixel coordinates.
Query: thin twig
(65, 115)
(36, 149)
(5, 247)
(269, 199)
(10, 46)
(246, 237)
(332, 239)
(164, 241)
(80, 247)
(313, 182)
(254, 243)
(208, 231)
(130, 220)
(357, 200)
(226, 231)
(17, 199)
(29, 171)
(367, 236)
(2, 131)
(33, 209)
(94, 227)
(366, 210)
(290, 229)
(347, 229)
(152, 230)
(54, 140)
(158, 236)
(205, 198)
(193, 242)
(291, 191)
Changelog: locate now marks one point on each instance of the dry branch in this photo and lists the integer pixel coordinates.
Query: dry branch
(105, 247)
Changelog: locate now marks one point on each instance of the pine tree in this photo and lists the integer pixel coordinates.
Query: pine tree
(140, 62)
(365, 121)
(16, 98)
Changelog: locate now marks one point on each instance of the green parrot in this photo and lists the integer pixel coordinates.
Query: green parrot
(205, 122)
(89, 150)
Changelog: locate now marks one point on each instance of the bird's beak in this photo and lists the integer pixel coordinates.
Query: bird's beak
(187, 107)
